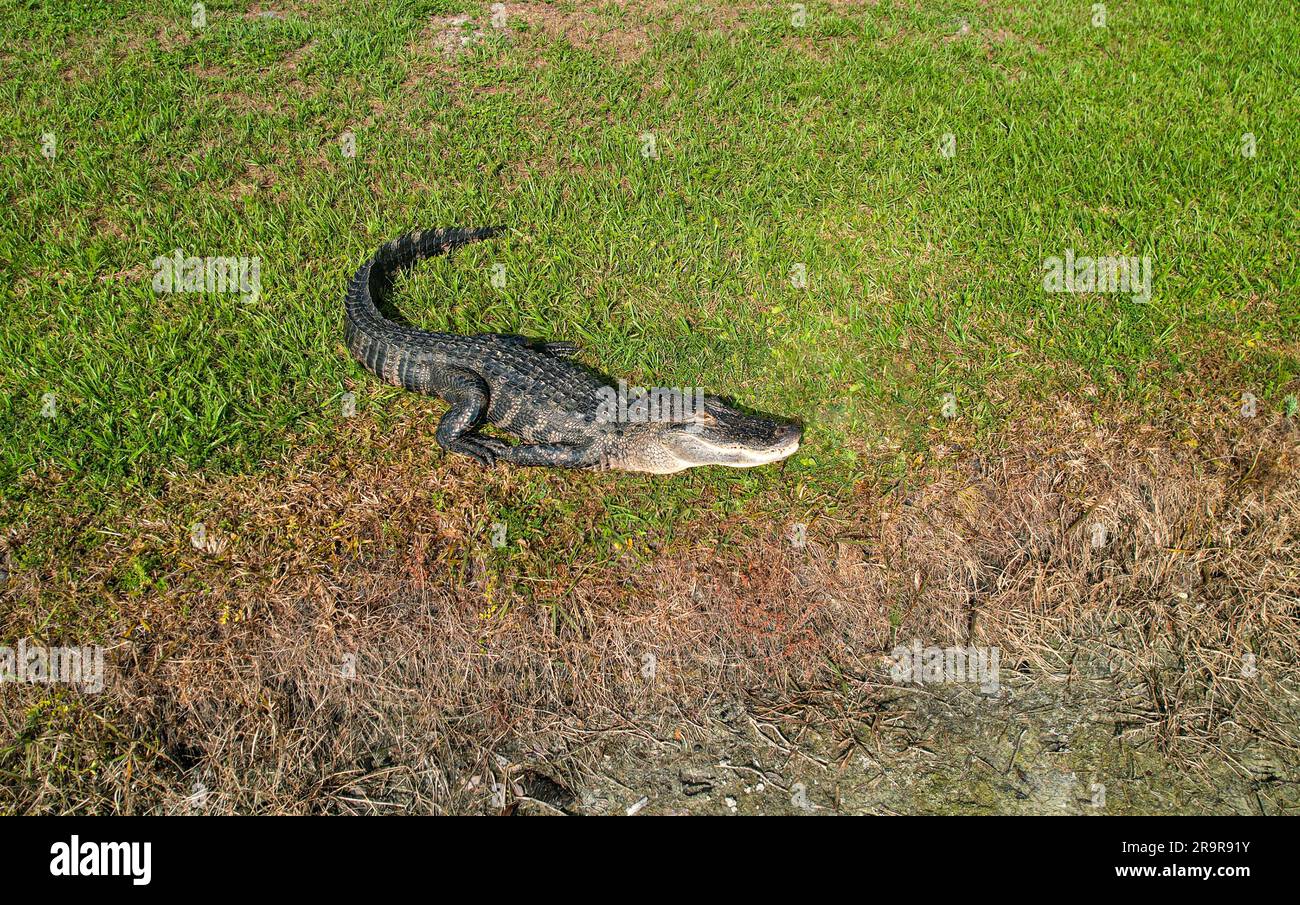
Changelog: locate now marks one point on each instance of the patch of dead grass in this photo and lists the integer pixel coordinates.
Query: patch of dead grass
(355, 645)
(625, 41)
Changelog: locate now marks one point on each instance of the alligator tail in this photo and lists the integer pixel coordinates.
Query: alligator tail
(396, 353)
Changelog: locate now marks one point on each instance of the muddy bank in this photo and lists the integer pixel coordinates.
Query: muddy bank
(1039, 746)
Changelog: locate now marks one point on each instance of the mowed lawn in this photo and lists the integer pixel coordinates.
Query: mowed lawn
(839, 214)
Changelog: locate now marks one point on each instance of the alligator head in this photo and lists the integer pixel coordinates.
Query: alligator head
(715, 434)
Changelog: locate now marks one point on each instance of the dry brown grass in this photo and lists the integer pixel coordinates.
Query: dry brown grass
(347, 646)
(624, 41)
(620, 31)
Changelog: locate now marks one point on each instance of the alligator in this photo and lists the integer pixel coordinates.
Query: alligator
(536, 390)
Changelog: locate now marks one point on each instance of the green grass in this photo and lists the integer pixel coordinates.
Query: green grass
(777, 145)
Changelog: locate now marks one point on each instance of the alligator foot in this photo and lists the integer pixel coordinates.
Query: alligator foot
(562, 349)
(483, 450)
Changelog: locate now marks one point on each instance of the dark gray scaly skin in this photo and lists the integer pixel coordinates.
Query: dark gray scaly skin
(532, 390)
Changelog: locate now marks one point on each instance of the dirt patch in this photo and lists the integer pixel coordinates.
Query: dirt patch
(207, 73)
(348, 639)
(625, 39)
(254, 180)
(294, 58)
(433, 54)
(622, 31)
(989, 38)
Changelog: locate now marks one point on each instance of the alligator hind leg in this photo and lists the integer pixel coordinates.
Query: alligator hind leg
(468, 395)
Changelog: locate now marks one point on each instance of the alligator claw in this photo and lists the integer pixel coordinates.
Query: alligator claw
(483, 450)
(561, 349)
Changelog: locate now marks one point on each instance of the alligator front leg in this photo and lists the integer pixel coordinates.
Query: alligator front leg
(468, 395)
(552, 455)
(562, 349)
